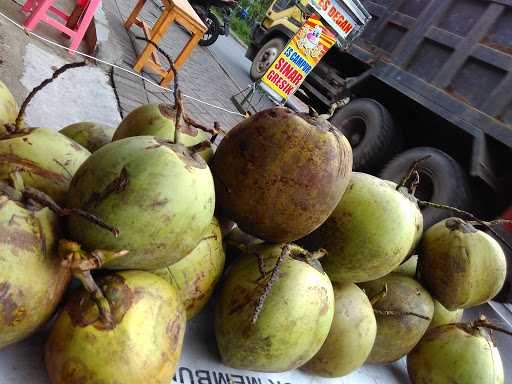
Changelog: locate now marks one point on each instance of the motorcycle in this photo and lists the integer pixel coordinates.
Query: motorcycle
(215, 26)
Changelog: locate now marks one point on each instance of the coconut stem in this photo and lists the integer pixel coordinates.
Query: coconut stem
(10, 192)
(316, 255)
(200, 146)
(45, 200)
(178, 100)
(493, 222)
(482, 322)
(177, 91)
(200, 126)
(273, 278)
(380, 295)
(261, 265)
(97, 295)
(57, 73)
(81, 263)
(468, 214)
(17, 180)
(410, 173)
(312, 111)
(400, 313)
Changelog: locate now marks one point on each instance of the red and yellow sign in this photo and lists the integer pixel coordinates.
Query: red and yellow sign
(299, 57)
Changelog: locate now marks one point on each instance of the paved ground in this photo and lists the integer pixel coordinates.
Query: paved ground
(201, 77)
(231, 55)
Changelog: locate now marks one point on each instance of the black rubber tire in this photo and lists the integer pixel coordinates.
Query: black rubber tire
(369, 128)
(213, 30)
(265, 57)
(442, 180)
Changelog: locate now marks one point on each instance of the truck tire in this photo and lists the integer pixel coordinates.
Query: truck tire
(266, 56)
(369, 128)
(442, 180)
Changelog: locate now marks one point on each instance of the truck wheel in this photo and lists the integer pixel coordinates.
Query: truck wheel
(442, 180)
(369, 128)
(265, 57)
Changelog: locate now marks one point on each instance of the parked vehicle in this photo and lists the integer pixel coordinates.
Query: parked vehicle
(426, 78)
(215, 26)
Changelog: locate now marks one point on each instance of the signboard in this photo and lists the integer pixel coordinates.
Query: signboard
(298, 58)
(334, 15)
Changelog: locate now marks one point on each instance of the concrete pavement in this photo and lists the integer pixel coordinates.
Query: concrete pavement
(82, 98)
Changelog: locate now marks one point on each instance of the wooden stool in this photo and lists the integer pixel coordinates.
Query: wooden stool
(174, 10)
(79, 24)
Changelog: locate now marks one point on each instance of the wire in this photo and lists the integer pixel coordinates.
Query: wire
(51, 42)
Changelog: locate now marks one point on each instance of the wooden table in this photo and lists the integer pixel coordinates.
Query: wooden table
(174, 10)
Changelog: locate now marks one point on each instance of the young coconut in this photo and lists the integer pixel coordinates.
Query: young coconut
(371, 231)
(463, 267)
(351, 337)
(159, 120)
(274, 311)
(47, 159)
(443, 316)
(129, 331)
(159, 195)
(196, 275)
(408, 267)
(32, 280)
(90, 135)
(403, 309)
(279, 174)
(456, 353)
(8, 108)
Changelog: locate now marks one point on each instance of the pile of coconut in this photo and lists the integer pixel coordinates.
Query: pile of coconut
(329, 269)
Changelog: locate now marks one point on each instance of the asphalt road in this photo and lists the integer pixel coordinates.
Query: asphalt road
(231, 55)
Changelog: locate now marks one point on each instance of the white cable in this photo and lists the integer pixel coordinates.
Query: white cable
(51, 42)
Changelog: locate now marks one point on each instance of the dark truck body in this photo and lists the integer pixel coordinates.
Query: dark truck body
(444, 70)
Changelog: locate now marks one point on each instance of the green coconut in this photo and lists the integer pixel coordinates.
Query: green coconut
(399, 328)
(463, 267)
(32, 280)
(8, 108)
(408, 267)
(371, 231)
(159, 196)
(196, 275)
(279, 175)
(90, 135)
(456, 353)
(142, 346)
(159, 120)
(46, 159)
(351, 337)
(294, 320)
(443, 316)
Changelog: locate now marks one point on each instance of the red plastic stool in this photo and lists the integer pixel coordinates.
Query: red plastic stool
(41, 10)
